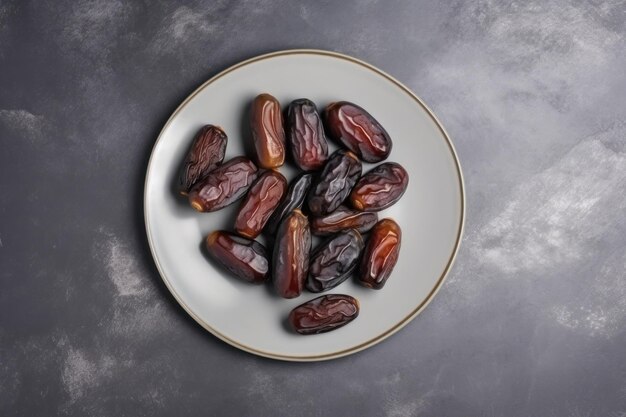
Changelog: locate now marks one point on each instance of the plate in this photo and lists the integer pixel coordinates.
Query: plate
(249, 317)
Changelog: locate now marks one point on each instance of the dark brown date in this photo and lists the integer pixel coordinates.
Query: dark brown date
(323, 314)
(246, 259)
(334, 183)
(334, 260)
(294, 198)
(260, 203)
(381, 254)
(358, 131)
(306, 135)
(268, 133)
(343, 218)
(290, 261)
(224, 185)
(206, 152)
(380, 188)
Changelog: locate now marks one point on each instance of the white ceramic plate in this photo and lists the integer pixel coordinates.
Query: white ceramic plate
(250, 317)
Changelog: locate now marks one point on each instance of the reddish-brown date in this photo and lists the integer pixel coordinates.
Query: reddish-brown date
(358, 131)
(380, 188)
(343, 218)
(224, 185)
(294, 198)
(323, 314)
(268, 133)
(334, 183)
(290, 260)
(334, 260)
(259, 204)
(246, 259)
(381, 254)
(305, 132)
(206, 152)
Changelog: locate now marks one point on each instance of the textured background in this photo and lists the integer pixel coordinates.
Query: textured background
(531, 321)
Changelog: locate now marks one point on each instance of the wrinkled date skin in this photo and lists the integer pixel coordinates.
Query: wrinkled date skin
(259, 204)
(268, 133)
(224, 185)
(358, 131)
(246, 259)
(381, 254)
(290, 261)
(294, 198)
(323, 314)
(334, 183)
(380, 188)
(207, 152)
(341, 219)
(334, 260)
(306, 135)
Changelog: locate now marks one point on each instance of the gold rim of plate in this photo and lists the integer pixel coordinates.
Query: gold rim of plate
(391, 330)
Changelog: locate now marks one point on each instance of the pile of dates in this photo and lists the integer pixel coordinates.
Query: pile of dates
(331, 197)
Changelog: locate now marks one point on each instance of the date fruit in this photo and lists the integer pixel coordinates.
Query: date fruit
(341, 219)
(323, 314)
(294, 198)
(268, 133)
(224, 185)
(358, 131)
(334, 183)
(334, 260)
(206, 152)
(381, 254)
(260, 203)
(306, 135)
(380, 188)
(290, 261)
(246, 259)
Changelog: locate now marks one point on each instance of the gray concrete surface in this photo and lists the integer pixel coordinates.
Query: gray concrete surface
(531, 321)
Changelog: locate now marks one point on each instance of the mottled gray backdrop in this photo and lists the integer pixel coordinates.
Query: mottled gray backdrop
(531, 321)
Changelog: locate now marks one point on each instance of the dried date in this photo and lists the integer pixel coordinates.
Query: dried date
(334, 260)
(260, 203)
(224, 185)
(206, 152)
(381, 254)
(323, 314)
(290, 260)
(246, 259)
(268, 133)
(294, 198)
(334, 183)
(305, 132)
(380, 188)
(341, 219)
(358, 131)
